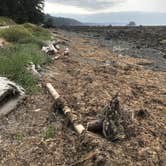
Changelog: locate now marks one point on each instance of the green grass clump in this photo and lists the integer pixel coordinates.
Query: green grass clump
(50, 133)
(13, 61)
(19, 137)
(38, 31)
(4, 21)
(16, 33)
(25, 46)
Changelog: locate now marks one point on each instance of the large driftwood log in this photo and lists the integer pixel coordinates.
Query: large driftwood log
(10, 96)
(67, 111)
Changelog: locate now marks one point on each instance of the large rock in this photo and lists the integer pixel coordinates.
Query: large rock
(10, 95)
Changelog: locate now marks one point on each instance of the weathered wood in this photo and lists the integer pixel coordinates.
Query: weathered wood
(34, 71)
(66, 52)
(52, 91)
(113, 127)
(50, 49)
(95, 126)
(10, 96)
(79, 128)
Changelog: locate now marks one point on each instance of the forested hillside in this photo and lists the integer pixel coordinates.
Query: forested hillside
(22, 10)
(51, 21)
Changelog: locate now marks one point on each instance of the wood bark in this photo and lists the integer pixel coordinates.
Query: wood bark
(95, 126)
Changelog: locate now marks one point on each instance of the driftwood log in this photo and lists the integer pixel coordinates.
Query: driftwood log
(111, 123)
(11, 95)
(66, 110)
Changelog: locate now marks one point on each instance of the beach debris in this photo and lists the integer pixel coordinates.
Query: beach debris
(11, 95)
(57, 46)
(110, 122)
(33, 69)
(51, 48)
(60, 104)
(66, 52)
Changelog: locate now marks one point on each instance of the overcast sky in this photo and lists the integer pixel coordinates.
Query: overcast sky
(88, 10)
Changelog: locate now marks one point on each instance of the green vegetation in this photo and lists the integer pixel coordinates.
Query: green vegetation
(25, 47)
(50, 21)
(37, 31)
(4, 21)
(50, 133)
(19, 137)
(23, 10)
(15, 33)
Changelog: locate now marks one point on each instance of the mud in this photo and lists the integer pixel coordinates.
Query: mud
(88, 79)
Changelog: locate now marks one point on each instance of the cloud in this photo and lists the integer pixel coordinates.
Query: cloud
(88, 4)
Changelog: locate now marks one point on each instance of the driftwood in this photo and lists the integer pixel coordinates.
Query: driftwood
(111, 124)
(32, 68)
(113, 128)
(79, 128)
(66, 52)
(50, 49)
(95, 126)
(10, 95)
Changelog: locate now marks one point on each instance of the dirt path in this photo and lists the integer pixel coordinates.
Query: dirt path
(88, 78)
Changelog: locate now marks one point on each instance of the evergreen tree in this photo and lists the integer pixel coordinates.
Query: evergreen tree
(23, 10)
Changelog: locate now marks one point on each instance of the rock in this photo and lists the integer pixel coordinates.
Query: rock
(10, 95)
(66, 52)
(143, 113)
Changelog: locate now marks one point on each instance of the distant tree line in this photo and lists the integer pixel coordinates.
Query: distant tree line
(23, 10)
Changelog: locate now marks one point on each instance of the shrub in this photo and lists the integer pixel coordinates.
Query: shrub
(26, 41)
(4, 21)
(38, 31)
(13, 61)
(16, 33)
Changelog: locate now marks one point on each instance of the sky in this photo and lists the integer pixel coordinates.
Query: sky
(110, 11)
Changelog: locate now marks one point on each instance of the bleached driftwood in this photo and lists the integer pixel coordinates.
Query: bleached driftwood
(67, 111)
(57, 46)
(33, 70)
(4, 27)
(66, 52)
(50, 49)
(10, 95)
